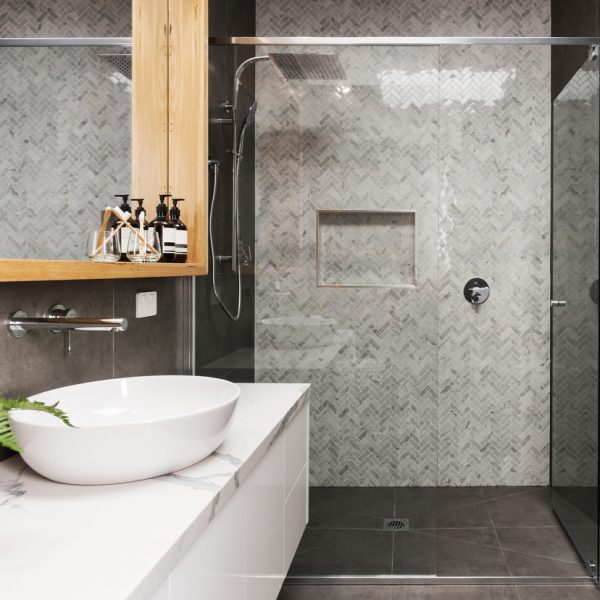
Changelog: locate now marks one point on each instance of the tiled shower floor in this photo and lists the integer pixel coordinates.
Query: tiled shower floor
(468, 531)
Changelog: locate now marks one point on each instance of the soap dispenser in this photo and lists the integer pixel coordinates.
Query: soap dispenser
(165, 230)
(181, 234)
(135, 220)
(124, 233)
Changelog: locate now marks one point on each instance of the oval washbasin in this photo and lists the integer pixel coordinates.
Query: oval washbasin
(126, 429)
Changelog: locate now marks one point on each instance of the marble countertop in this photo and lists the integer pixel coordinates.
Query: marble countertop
(121, 541)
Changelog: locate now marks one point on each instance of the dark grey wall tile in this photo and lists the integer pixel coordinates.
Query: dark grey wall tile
(571, 18)
(217, 337)
(37, 361)
(151, 345)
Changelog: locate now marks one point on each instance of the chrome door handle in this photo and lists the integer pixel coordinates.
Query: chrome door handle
(558, 302)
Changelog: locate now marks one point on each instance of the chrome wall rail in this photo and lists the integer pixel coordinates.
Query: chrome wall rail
(64, 42)
(403, 41)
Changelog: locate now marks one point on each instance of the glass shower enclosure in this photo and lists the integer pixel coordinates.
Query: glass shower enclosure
(575, 310)
(388, 173)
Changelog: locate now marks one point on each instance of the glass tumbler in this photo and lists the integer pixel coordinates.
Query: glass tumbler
(103, 246)
(144, 247)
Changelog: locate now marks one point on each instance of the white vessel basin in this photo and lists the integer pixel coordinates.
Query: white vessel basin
(126, 429)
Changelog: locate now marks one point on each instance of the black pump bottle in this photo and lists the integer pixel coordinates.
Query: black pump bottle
(164, 229)
(181, 234)
(124, 233)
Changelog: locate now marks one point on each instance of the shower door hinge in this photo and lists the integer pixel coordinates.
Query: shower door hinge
(594, 52)
(592, 569)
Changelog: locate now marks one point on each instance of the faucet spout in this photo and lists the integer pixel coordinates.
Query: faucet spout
(60, 319)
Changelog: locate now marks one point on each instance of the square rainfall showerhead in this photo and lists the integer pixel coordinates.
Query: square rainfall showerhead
(309, 66)
(120, 62)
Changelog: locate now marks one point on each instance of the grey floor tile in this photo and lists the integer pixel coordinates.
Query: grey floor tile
(454, 592)
(415, 500)
(527, 565)
(427, 508)
(455, 497)
(549, 542)
(343, 552)
(335, 592)
(474, 515)
(463, 559)
(584, 500)
(556, 592)
(350, 507)
(415, 554)
(484, 536)
(434, 499)
(529, 509)
(500, 491)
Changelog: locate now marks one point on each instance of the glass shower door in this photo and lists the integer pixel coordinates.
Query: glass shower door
(574, 311)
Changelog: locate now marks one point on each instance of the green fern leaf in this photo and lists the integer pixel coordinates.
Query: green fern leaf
(7, 438)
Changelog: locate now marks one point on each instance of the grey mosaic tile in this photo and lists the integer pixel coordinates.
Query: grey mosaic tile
(461, 136)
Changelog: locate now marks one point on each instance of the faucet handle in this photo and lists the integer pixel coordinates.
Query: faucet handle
(58, 311)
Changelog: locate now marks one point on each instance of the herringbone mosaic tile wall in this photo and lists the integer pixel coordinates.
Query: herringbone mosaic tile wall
(411, 386)
(65, 126)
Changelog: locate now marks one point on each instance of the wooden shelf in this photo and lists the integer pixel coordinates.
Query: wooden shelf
(63, 270)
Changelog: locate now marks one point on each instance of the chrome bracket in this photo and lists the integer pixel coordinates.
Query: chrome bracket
(226, 106)
(16, 331)
(591, 568)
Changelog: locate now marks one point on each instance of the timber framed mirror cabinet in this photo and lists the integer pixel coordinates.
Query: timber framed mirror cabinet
(84, 119)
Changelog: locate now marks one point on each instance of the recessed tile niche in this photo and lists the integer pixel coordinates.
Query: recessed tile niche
(366, 248)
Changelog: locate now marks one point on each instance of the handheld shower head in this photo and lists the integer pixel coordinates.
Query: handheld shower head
(248, 121)
(251, 115)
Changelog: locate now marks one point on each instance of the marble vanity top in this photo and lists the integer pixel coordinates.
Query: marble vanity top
(120, 541)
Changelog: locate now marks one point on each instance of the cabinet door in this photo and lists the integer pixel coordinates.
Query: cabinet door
(150, 96)
(188, 119)
(264, 518)
(213, 568)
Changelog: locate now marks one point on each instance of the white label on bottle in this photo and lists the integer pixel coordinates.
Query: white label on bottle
(125, 234)
(168, 240)
(181, 241)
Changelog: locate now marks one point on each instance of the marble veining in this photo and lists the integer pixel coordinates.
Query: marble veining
(47, 525)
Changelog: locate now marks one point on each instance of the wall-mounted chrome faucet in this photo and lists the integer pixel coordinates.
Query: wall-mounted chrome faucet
(59, 319)
(476, 292)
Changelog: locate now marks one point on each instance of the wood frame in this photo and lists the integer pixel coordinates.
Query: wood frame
(170, 92)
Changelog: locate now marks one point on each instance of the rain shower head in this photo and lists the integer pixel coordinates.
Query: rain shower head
(120, 62)
(309, 66)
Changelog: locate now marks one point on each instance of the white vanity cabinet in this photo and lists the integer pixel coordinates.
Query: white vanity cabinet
(246, 550)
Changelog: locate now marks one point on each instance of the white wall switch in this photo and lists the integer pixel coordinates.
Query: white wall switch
(145, 305)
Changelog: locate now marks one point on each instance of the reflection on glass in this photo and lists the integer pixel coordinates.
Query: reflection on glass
(575, 325)
(65, 129)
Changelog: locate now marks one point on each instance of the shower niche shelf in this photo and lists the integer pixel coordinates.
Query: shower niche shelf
(366, 248)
